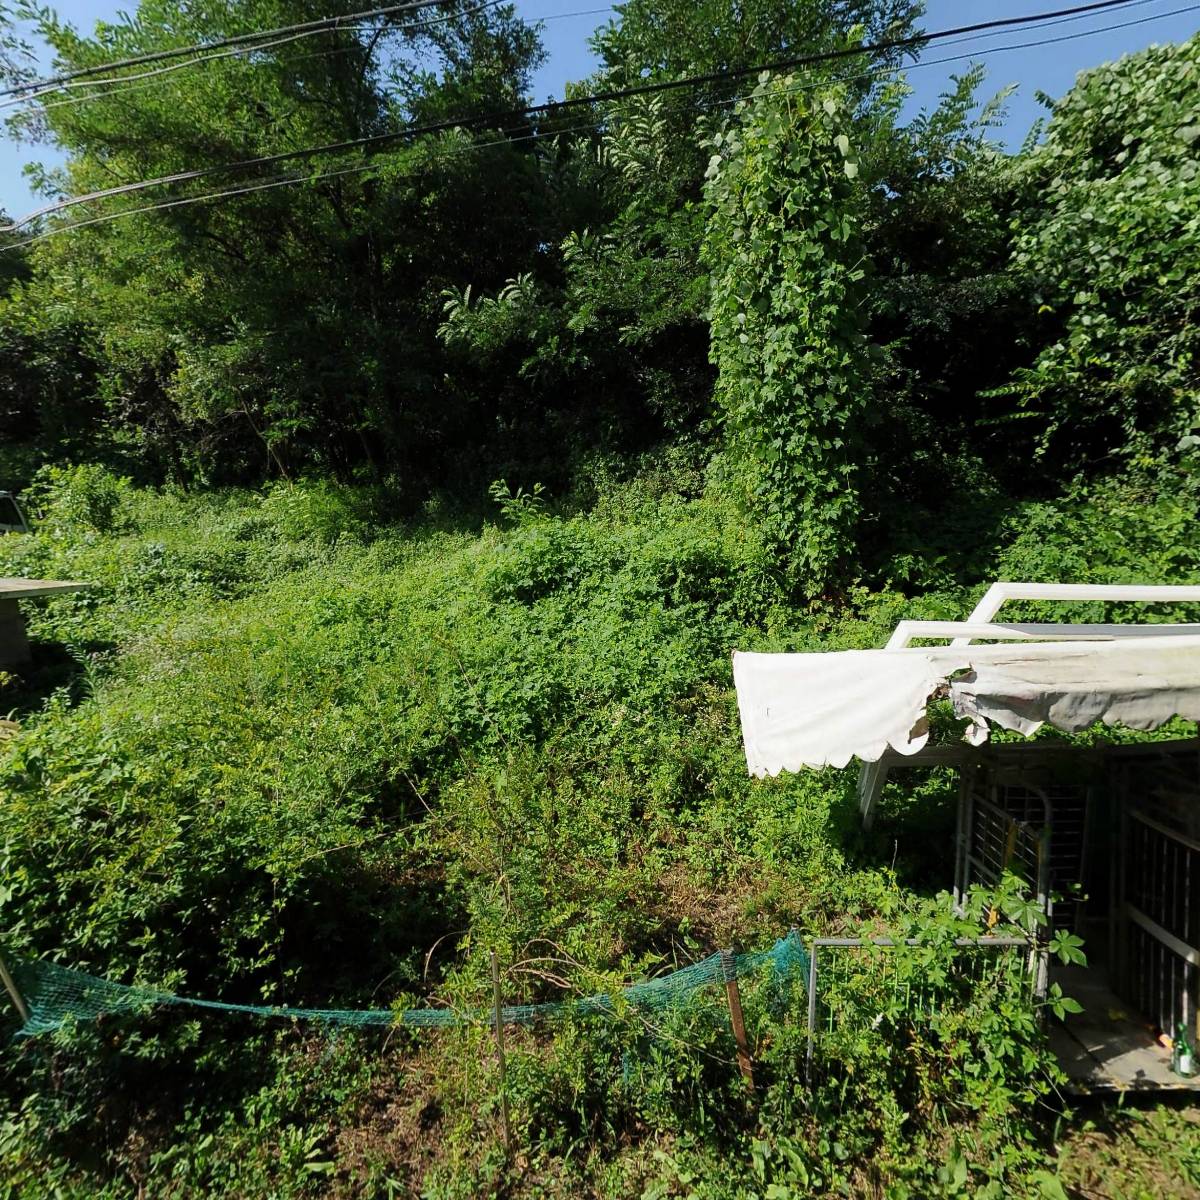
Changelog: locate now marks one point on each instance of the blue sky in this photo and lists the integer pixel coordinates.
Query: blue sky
(1049, 68)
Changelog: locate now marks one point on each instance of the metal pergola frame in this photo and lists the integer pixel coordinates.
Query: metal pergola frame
(980, 625)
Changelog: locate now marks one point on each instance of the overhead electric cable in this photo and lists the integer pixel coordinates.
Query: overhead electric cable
(267, 185)
(111, 86)
(985, 51)
(241, 39)
(602, 97)
(357, 18)
(329, 52)
(129, 83)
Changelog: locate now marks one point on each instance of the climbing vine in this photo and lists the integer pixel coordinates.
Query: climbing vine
(787, 269)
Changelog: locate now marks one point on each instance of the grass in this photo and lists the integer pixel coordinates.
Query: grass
(289, 751)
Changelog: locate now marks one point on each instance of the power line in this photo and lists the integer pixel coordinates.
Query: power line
(137, 60)
(362, 168)
(602, 97)
(333, 50)
(981, 53)
(348, 19)
(114, 85)
(367, 167)
(236, 52)
(117, 86)
(283, 181)
(1066, 20)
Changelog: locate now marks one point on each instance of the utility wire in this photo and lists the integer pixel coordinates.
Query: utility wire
(137, 60)
(357, 18)
(116, 86)
(983, 52)
(236, 52)
(557, 106)
(1065, 20)
(364, 168)
(32, 101)
(283, 181)
(368, 167)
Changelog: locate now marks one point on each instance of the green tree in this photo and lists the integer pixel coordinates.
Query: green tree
(623, 304)
(784, 245)
(1108, 248)
(16, 59)
(293, 327)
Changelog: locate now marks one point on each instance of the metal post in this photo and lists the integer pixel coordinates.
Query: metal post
(958, 838)
(10, 986)
(500, 1052)
(729, 970)
(812, 1010)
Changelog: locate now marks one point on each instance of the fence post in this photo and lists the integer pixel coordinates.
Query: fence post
(500, 1052)
(729, 970)
(10, 986)
(812, 1010)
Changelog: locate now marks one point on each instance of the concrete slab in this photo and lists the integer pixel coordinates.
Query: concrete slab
(28, 589)
(14, 643)
(1107, 1048)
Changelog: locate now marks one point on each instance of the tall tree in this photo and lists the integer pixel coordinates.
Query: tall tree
(625, 303)
(1108, 250)
(785, 247)
(291, 327)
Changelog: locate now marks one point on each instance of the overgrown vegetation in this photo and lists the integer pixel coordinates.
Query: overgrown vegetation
(423, 510)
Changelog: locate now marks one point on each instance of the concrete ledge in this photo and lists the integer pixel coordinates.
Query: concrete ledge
(14, 643)
(29, 589)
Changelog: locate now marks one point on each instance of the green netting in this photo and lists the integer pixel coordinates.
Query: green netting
(55, 994)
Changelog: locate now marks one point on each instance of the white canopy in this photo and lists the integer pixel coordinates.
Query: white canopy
(815, 710)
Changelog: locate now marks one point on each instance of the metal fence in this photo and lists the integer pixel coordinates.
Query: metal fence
(880, 990)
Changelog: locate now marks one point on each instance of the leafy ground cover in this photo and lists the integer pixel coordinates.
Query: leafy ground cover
(287, 751)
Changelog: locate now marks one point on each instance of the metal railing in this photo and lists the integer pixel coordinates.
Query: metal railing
(816, 945)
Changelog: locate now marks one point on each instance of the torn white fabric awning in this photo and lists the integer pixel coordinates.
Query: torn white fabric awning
(815, 710)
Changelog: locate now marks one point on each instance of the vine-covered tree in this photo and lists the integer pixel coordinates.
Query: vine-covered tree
(784, 243)
(1108, 247)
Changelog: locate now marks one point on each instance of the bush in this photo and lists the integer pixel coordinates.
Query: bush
(85, 498)
(315, 510)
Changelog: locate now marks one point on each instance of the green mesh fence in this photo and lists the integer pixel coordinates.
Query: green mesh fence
(55, 994)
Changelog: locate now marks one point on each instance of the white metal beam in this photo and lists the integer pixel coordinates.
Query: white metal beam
(980, 624)
(1000, 593)
(964, 632)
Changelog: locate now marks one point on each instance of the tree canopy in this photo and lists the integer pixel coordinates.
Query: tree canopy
(514, 296)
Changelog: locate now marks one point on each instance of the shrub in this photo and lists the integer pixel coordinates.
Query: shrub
(84, 498)
(315, 510)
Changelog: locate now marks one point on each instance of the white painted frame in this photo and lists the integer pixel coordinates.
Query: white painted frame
(981, 624)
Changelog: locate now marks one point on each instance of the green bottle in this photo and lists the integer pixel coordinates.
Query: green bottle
(1183, 1056)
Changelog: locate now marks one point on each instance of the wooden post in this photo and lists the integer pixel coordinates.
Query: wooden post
(10, 986)
(729, 970)
(500, 1052)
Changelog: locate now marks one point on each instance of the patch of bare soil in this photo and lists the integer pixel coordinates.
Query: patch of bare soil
(1151, 1154)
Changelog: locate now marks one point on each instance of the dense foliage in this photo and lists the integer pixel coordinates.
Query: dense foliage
(793, 391)
(424, 505)
(1109, 242)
